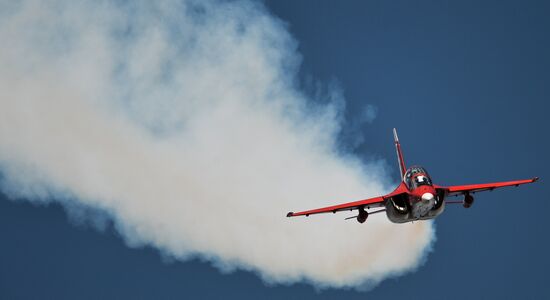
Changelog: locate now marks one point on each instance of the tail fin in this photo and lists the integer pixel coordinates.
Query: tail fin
(402, 167)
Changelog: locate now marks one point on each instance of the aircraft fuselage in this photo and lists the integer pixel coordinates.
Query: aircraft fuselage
(420, 203)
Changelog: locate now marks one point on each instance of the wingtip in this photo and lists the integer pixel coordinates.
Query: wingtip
(289, 214)
(395, 135)
(535, 179)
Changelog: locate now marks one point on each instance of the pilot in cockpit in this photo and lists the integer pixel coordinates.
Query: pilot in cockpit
(417, 176)
(422, 180)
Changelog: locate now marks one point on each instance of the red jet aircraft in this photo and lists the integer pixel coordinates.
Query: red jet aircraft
(416, 197)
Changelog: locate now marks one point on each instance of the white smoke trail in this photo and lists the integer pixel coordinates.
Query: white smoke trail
(183, 121)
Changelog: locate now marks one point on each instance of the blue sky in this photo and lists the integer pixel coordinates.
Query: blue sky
(465, 83)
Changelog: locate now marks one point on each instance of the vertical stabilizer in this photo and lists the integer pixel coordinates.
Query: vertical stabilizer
(400, 160)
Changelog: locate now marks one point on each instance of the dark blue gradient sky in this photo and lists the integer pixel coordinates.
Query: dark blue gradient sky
(467, 84)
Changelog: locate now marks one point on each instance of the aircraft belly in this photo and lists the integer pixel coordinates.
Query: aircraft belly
(417, 211)
(421, 209)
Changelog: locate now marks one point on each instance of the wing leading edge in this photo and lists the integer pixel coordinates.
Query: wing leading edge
(473, 188)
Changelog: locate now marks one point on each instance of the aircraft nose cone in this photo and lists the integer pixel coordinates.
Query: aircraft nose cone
(427, 197)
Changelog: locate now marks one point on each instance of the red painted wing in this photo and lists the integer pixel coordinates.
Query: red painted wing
(372, 202)
(473, 188)
(366, 203)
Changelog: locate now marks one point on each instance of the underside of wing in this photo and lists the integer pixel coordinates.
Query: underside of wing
(474, 188)
(366, 203)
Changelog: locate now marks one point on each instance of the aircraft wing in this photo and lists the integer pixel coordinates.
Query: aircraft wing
(473, 188)
(370, 203)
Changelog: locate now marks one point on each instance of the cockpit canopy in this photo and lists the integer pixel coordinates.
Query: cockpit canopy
(417, 176)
